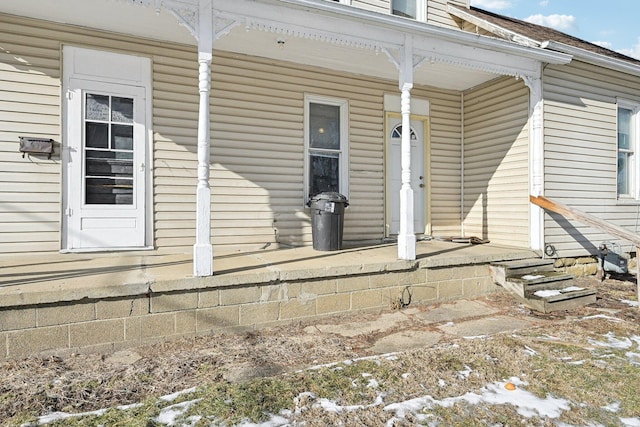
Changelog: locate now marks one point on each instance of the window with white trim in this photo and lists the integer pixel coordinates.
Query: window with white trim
(414, 9)
(326, 146)
(627, 148)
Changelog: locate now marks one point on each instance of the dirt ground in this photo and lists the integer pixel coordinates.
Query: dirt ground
(82, 382)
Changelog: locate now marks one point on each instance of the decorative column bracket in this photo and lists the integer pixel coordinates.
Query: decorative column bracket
(395, 58)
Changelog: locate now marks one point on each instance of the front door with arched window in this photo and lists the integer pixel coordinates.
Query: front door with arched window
(394, 171)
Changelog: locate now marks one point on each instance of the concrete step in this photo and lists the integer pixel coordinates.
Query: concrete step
(501, 270)
(537, 285)
(565, 299)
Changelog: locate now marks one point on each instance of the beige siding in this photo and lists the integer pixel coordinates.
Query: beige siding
(437, 12)
(29, 106)
(496, 156)
(581, 152)
(436, 9)
(257, 152)
(30, 84)
(445, 161)
(258, 91)
(381, 6)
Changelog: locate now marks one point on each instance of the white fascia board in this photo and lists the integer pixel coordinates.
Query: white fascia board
(594, 58)
(471, 57)
(384, 30)
(313, 23)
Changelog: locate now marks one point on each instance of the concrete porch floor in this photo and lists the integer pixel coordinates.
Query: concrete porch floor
(54, 278)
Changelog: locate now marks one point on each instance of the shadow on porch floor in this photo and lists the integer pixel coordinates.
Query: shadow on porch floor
(41, 279)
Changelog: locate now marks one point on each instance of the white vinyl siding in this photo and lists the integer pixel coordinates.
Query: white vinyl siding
(580, 114)
(496, 172)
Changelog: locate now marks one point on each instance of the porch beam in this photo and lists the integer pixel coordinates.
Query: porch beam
(203, 249)
(406, 235)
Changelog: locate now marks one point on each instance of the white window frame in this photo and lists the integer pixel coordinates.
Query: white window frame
(344, 141)
(421, 10)
(634, 175)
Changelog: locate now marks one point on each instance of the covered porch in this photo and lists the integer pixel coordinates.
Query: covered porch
(400, 57)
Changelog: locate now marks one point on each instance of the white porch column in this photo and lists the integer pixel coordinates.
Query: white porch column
(406, 235)
(203, 250)
(536, 159)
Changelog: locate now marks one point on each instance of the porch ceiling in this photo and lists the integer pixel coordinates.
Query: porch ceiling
(361, 61)
(261, 40)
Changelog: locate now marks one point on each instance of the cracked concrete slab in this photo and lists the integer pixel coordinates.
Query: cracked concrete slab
(485, 326)
(406, 340)
(386, 322)
(455, 311)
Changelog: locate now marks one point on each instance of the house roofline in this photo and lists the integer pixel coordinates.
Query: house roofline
(423, 29)
(593, 58)
(491, 27)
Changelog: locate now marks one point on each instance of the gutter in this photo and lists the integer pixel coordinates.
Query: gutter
(593, 58)
(405, 25)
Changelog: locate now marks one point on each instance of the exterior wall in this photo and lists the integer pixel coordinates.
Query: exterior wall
(257, 150)
(445, 165)
(580, 116)
(30, 82)
(496, 165)
(437, 12)
(29, 106)
(113, 324)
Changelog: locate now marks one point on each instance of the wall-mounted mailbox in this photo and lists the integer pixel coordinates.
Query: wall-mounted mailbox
(30, 145)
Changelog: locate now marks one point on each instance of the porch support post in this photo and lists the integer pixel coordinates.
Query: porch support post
(406, 235)
(536, 156)
(203, 250)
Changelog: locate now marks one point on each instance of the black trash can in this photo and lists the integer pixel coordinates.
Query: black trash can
(327, 220)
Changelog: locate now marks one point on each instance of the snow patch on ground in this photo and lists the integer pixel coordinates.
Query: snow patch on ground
(527, 403)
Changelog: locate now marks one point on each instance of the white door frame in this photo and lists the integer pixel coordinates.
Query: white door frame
(104, 69)
(426, 173)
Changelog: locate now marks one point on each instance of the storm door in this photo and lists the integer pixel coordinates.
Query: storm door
(106, 167)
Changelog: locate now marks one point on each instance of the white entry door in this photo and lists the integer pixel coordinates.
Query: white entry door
(418, 181)
(106, 137)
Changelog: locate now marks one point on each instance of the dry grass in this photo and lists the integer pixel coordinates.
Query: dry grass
(256, 374)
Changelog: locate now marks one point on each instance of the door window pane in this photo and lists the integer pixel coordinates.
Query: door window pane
(108, 155)
(97, 135)
(122, 110)
(97, 107)
(122, 137)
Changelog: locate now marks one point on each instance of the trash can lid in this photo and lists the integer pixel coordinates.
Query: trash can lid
(331, 196)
